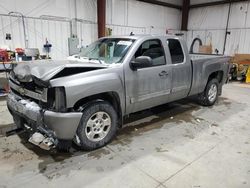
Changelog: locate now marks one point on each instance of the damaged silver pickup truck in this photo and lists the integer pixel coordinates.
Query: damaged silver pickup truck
(85, 100)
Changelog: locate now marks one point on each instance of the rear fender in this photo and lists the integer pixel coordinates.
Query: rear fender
(211, 67)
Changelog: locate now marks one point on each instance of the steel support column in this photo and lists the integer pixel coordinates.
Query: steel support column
(185, 12)
(101, 17)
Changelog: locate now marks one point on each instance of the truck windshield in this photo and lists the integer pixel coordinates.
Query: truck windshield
(109, 50)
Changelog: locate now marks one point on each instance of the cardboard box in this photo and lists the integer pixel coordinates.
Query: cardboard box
(206, 49)
(243, 59)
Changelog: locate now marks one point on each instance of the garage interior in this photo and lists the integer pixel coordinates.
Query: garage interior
(178, 144)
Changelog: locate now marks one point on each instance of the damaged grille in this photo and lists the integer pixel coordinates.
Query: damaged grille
(28, 89)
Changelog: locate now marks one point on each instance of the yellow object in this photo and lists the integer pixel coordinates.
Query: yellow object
(248, 75)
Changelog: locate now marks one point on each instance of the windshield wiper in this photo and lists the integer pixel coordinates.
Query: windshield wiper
(95, 59)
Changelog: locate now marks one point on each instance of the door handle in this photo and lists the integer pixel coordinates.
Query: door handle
(163, 73)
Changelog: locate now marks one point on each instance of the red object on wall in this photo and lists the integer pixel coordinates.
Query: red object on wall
(4, 56)
(20, 51)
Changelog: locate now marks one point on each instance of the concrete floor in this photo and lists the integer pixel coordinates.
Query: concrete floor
(176, 145)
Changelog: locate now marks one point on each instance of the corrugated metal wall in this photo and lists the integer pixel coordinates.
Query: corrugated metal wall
(87, 32)
(37, 30)
(123, 17)
(209, 24)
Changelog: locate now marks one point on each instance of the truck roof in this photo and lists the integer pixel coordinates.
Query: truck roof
(139, 36)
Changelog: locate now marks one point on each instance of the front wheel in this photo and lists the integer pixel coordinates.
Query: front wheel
(210, 94)
(97, 127)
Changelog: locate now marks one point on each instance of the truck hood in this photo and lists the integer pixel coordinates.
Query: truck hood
(48, 69)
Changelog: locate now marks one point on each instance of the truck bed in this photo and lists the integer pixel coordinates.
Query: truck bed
(199, 63)
(196, 56)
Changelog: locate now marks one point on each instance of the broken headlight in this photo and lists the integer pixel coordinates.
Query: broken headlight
(57, 99)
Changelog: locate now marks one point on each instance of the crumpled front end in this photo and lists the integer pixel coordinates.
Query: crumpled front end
(46, 127)
(41, 109)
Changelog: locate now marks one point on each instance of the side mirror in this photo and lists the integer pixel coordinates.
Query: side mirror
(141, 62)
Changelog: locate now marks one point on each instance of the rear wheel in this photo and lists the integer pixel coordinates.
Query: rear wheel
(210, 94)
(97, 127)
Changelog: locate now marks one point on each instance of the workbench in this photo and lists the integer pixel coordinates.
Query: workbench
(5, 65)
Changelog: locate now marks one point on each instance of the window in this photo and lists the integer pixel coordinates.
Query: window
(176, 52)
(153, 49)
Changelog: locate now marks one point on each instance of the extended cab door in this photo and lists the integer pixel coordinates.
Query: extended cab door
(181, 69)
(149, 86)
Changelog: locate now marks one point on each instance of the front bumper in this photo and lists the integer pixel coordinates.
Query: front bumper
(62, 125)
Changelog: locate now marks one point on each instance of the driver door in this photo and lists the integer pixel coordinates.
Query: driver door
(149, 86)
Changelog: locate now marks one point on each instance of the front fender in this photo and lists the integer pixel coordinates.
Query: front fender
(81, 87)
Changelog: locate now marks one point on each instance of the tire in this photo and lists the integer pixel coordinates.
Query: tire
(97, 127)
(64, 145)
(210, 94)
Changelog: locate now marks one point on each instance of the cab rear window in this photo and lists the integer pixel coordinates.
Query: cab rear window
(176, 51)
